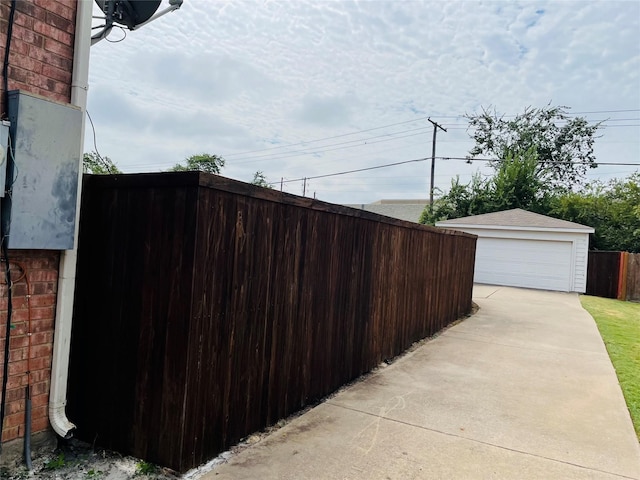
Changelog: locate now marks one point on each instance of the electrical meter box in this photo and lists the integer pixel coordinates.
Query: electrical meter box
(43, 168)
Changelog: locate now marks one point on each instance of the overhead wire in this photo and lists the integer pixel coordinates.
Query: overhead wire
(358, 143)
(354, 171)
(606, 111)
(349, 144)
(466, 159)
(326, 138)
(120, 39)
(93, 129)
(454, 126)
(352, 144)
(277, 153)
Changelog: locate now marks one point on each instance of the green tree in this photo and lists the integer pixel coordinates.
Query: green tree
(564, 144)
(514, 185)
(461, 200)
(612, 209)
(517, 184)
(260, 180)
(203, 162)
(94, 163)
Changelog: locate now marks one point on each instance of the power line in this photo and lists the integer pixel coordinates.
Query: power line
(470, 160)
(354, 143)
(617, 120)
(351, 171)
(605, 111)
(449, 125)
(323, 149)
(326, 138)
(439, 158)
(368, 141)
(351, 144)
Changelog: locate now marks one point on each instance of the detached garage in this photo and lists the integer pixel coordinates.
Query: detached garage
(524, 249)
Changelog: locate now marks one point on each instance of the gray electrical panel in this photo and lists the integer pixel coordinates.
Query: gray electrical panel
(42, 173)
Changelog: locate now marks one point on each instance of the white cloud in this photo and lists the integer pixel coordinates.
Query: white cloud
(326, 111)
(236, 76)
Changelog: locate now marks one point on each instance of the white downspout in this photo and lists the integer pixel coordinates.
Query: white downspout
(67, 274)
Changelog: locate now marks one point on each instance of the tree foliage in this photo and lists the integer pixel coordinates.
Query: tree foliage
(260, 180)
(517, 184)
(564, 144)
(613, 209)
(98, 165)
(461, 200)
(541, 156)
(202, 162)
(514, 185)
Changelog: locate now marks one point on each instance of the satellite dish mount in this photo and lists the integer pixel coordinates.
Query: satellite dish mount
(133, 14)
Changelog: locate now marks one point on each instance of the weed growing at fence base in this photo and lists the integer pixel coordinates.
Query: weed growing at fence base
(145, 468)
(56, 463)
(619, 325)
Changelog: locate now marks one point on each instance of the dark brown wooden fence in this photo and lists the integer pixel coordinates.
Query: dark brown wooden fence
(207, 309)
(633, 277)
(603, 271)
(614, 275)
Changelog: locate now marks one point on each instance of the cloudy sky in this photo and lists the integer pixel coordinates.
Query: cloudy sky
(310, 88)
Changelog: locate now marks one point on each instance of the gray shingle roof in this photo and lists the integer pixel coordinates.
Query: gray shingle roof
(514, 218)
(404, 211)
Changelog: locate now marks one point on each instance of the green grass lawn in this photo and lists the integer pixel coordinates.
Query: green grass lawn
(619, 325)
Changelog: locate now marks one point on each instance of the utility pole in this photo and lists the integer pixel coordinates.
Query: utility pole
(304, 187)
(433, 160)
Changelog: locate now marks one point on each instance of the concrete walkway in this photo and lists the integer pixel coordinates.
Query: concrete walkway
(523, 389)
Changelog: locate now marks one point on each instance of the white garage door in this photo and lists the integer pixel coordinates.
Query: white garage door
(524, 263)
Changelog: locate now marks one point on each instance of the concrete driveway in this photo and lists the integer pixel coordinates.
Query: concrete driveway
(523, 389)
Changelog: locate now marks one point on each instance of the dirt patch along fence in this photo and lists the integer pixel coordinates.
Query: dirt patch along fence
(207, 309)
(614, 275)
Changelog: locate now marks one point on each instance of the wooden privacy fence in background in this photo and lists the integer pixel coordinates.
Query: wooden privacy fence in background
(207, 309)
(614, 275)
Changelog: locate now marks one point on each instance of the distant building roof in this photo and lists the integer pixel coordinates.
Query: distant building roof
(514, 218)
(409, 210)
(401, 201)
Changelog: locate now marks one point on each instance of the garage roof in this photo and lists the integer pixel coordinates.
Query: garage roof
(409, 210)
(521, 219)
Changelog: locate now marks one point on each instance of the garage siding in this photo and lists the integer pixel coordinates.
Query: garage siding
(582, 254)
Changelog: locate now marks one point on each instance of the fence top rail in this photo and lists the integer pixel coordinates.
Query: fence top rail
(610, 252)
(217, 182)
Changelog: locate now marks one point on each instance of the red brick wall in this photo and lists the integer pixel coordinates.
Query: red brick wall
(41, 55)
(40, 62)
(34, 273)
